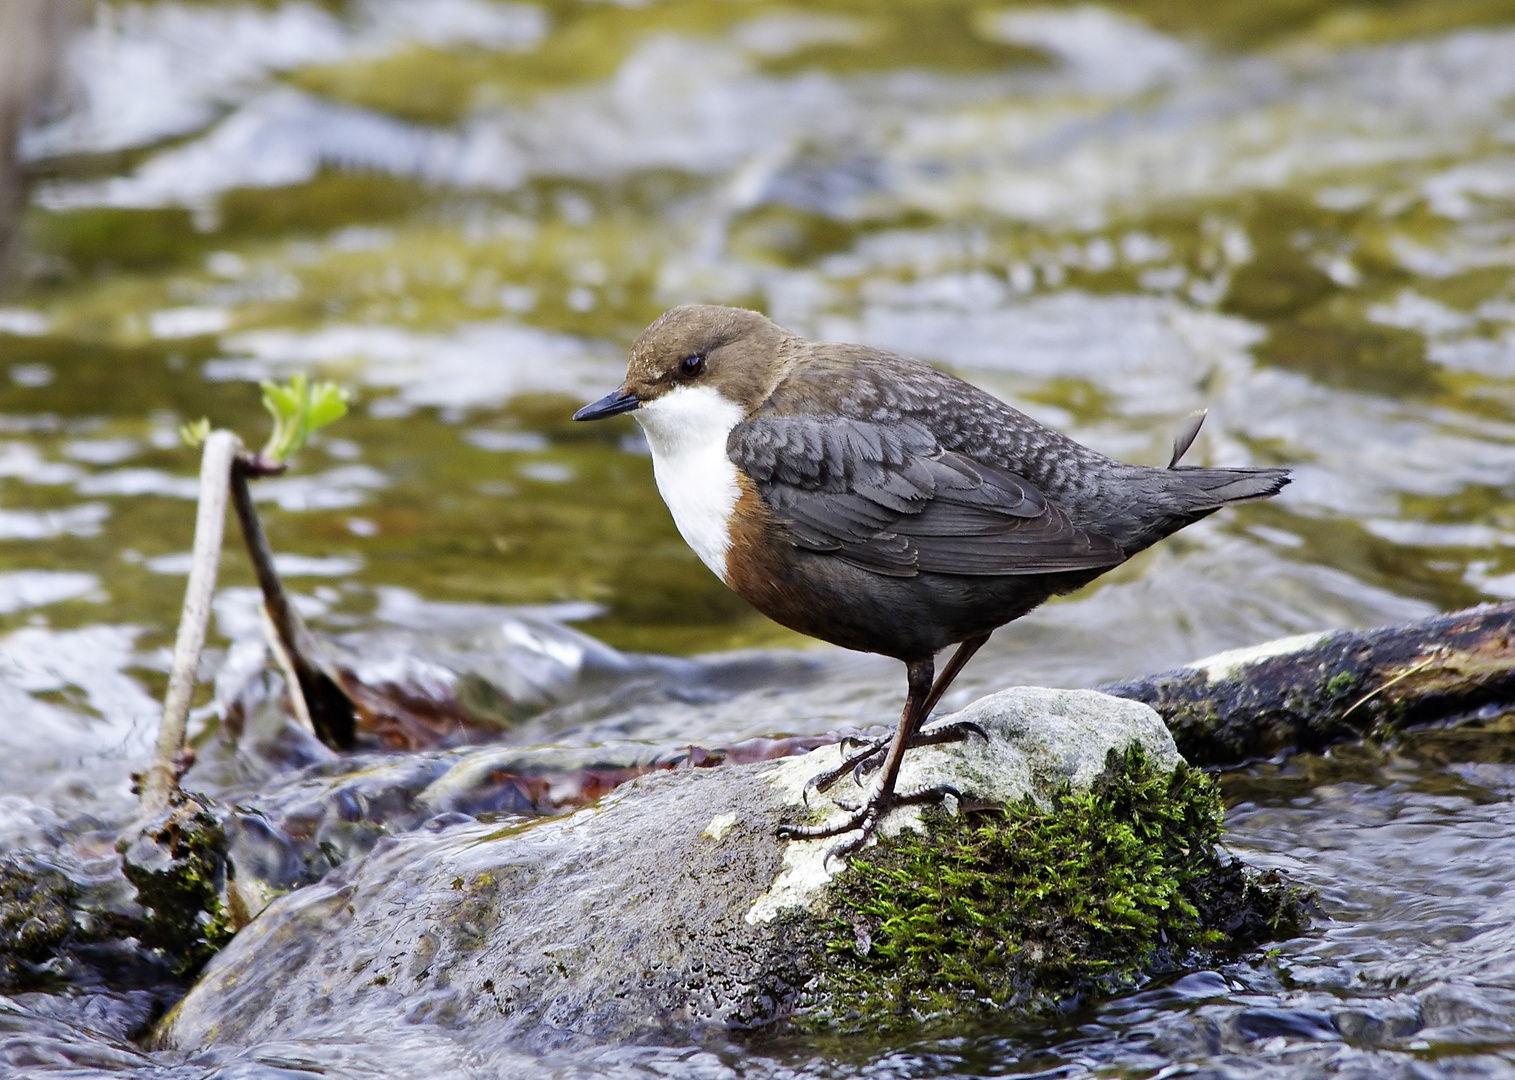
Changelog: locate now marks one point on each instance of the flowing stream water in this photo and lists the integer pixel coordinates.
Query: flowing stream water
(1299, 214)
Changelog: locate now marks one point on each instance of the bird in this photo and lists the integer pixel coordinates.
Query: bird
(879, 503)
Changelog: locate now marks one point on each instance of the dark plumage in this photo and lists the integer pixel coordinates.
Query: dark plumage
(883, 505)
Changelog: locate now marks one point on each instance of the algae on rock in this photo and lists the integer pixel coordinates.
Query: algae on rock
(179, 867)
(36, 919)
(1023, 907)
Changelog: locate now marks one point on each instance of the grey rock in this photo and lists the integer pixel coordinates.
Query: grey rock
(667, 908)
(1038, 741)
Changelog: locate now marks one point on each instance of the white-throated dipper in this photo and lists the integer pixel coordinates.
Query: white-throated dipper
(877, 503)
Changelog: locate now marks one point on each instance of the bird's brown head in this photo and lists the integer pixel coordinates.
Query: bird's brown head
(732, 352)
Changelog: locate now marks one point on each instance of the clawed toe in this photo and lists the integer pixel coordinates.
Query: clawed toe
(956, 731)
(822, 782)
(846, 847)
(817, 832)
(871, 754)
(866, 766)
(873, 812)
(885, 755)
(852, 763)
(862, 818)
(936, 793)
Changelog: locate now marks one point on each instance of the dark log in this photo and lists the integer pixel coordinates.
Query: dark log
(1307, 692)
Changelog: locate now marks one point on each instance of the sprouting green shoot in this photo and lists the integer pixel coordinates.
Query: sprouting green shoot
(195, 432)
(299, 410)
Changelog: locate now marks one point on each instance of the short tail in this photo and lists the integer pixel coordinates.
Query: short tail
(1140, 505)
(1181, 496)
(1214, 488)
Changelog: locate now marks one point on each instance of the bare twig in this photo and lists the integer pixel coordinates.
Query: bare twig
(328, 705)
(1391, 683)
(321, 704)
(161, 779)
(287, 668)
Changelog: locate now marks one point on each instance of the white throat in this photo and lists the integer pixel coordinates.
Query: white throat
(687, 429)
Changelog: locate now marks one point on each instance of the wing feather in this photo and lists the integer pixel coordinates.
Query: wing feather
(888, 498)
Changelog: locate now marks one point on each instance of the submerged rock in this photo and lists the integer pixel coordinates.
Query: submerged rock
(670, 906)
(36, 917)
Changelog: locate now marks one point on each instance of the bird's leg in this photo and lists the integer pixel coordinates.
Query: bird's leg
(862, 763)
(953, 669)
(866, 817)
(961, 730)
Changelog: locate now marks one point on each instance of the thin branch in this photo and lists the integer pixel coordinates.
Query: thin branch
(1391, 683)
(160, 781)
(329, 706)
(287, 668)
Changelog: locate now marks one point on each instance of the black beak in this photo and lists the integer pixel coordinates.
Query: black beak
(612, 404)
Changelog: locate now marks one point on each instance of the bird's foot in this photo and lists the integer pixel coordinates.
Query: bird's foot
(956, 731)
(826, 780)
(871, 755)
(862, 819)
(852, 740)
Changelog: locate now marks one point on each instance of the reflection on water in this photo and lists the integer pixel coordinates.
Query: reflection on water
(1299, 215)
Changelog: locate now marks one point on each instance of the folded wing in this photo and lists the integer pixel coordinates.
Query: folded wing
(886, 497)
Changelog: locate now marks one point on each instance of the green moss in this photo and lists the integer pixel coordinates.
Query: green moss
(36, 918)
(179, 867)
(1341, 682)
(1025, 909)
(1197, 723)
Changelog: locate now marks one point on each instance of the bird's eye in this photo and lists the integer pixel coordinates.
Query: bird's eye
(691, 366)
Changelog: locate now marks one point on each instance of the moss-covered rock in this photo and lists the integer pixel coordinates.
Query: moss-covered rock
(670, 910)
(1025, 907)
(178, 864)
(36, 919)
(1040, 745)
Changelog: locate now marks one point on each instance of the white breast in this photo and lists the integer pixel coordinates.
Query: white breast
(687, 430)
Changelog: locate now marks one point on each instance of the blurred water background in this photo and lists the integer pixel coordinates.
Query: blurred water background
(1297, 213)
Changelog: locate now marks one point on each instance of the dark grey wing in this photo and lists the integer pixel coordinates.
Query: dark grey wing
(886, 497)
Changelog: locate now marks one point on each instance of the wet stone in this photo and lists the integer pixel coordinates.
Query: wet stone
(177, 862)
(36, 917)
(666, 909)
